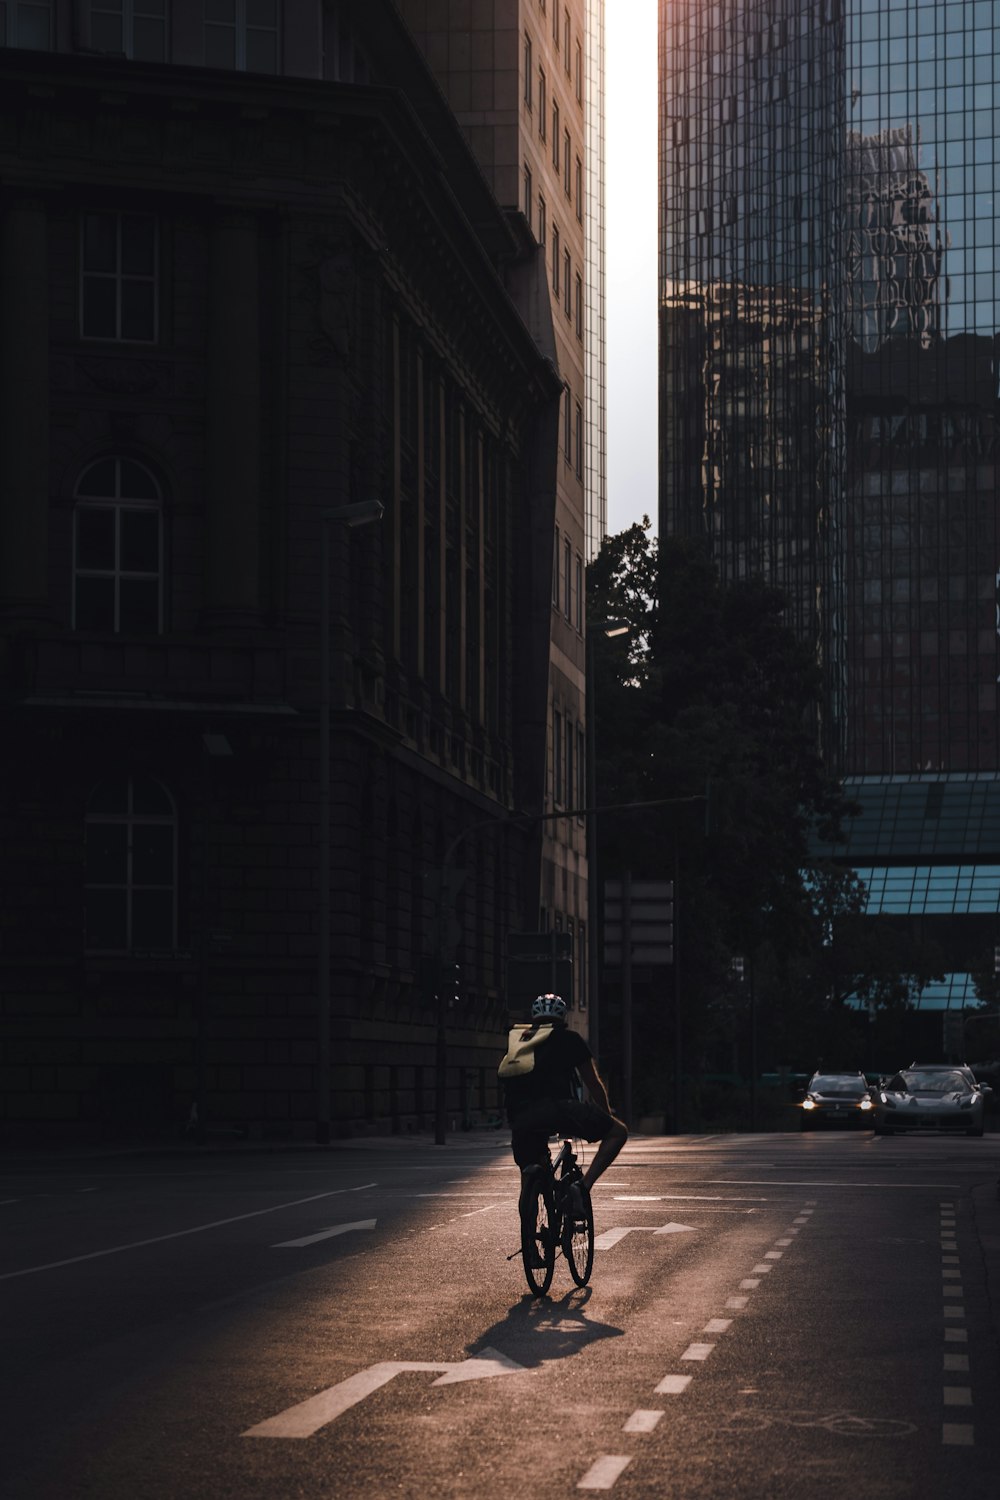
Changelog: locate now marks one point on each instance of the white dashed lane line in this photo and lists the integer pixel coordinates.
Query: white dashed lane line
(953, 1394)
(603, 1473)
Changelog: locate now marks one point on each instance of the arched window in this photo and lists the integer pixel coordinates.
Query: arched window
(130, 887)
(117, 549)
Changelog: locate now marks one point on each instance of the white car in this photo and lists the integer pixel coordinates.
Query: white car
(930, 1098)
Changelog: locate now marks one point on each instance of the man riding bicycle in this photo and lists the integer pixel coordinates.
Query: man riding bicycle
(540, 1072)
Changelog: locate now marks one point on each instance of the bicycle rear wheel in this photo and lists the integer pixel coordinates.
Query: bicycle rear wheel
(538, 1244)
(578, 1238)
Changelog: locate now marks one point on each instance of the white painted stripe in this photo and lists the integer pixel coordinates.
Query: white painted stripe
(179, 1234)
(954, 1310)
(782, 1242)
(736, 1303)
(642, 1421)
(748, 1283)
(762, 1270)
(324, 1234)
(697, 1351)
(639, 1198)
(958, 1434)
(673, 1385)
(949, 1260)
(718, 1325)
(773, 1254)
(956, 1336)
(956, 1362)
(609, 1237)
(957, 1395)
(602, 1474)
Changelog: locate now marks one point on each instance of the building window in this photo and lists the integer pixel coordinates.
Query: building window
(555, 572)
(581, 769)
(529, 73)
(567, 581)
(567, 162)
(26, 23)
(578, 597)
(567, 282)
(555, 136)
(118, 277)
(570, 786)
(555, 24)
(566, 40)
(555, 260)
(130, 884)
(528, 193)
(543, 103)
(242, 35)
(557, 758)
(578, 455)
(542, 216)
(579, 189)
(117, 549)
(578, 306)
(137, 28)
(567, 426)
(579, 73)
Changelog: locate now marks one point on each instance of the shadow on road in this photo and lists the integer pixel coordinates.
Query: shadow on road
(539, 1330)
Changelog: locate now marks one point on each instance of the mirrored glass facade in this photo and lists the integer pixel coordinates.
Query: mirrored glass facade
(829, 311)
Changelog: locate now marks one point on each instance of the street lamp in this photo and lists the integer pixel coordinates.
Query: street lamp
(608, 628)
(361, 513)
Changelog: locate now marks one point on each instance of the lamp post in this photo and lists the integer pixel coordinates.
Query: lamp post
(362, 513)
(611, 627)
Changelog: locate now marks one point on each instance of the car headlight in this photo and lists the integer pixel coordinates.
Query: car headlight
(865, 1103)
(808, 1103)
(968, 1102)
(889, 1103)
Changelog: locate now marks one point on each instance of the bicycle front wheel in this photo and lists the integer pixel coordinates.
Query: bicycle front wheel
(538, 1244)
(578, 1239)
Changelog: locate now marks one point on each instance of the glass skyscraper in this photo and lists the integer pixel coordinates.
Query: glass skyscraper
(829, 274)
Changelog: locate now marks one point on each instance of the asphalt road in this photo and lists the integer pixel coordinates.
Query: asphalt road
(769, 1316)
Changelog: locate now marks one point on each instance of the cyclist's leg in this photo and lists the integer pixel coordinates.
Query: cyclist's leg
(606, 1151)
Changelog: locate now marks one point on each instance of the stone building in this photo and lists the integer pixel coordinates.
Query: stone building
(252, 279)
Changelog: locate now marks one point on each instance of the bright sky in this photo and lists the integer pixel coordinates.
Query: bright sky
(631, 220)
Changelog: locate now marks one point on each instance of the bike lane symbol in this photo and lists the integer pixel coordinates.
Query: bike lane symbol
(307, 1417)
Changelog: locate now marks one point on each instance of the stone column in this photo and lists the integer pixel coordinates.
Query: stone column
(24, 412)
(232, 500)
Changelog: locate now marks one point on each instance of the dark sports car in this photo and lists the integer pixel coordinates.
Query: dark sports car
(930, 1098)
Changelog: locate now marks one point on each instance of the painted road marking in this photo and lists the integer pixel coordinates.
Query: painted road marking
(718, 1325)
(956, 1362)
(749, 1283)
(307, 1417)
(610, 1237)
(959, 1434)
(956, 1336)
(324, 1234)
(602, 1474)
(179, 1234)
(697, 1351)
(642, 1421)
(673, 1385)
(737, 1303)
(957, 1395)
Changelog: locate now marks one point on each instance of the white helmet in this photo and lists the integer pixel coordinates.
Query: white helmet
(553, 1006)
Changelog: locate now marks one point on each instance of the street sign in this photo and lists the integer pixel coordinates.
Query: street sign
(646, 908)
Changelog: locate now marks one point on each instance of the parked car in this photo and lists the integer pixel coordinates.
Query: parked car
(837, 1099)
(931, 1096)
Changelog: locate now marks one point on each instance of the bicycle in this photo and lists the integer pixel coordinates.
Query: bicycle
(556, 1213)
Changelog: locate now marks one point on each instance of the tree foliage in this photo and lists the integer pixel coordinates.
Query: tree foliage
(706, 719)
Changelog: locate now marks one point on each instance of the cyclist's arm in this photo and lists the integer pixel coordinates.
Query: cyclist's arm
(594, 1084)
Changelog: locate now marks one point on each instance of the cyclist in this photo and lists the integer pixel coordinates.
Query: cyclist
(540, 1072)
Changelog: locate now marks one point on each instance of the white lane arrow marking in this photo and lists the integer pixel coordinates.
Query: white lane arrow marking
(307, 1417)
(612, 1236)
(324, 1234)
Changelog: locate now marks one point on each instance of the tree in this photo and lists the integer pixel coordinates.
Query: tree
(713, 703)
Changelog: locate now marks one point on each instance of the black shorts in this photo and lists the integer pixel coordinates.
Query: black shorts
(532, 1125)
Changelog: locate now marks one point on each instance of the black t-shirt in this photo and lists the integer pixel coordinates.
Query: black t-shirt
(554, 1073)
